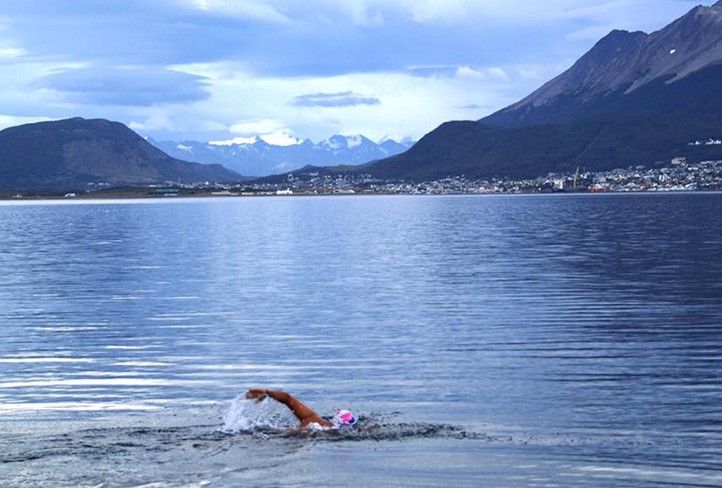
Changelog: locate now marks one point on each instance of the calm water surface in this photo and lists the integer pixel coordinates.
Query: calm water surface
(485, 341)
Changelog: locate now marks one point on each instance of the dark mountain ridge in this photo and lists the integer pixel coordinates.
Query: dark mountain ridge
(620, 64)
(73, 153)
(634, 98)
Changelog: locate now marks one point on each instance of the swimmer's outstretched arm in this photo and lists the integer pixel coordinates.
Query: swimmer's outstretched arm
(301, 411)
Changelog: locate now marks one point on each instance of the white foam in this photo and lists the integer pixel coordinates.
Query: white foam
(248, 415)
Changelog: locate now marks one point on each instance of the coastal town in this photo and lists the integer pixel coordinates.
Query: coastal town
(677, 175)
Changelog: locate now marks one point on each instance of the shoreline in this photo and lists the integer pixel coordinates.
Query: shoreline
(96, 196)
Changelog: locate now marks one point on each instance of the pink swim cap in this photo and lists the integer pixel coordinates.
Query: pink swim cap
(344, 417)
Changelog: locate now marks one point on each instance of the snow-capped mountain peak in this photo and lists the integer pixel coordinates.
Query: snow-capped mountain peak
(258, 157)
(339, 142)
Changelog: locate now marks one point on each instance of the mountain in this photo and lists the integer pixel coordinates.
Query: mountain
(634, 98)
(73, 153)
(262, 159)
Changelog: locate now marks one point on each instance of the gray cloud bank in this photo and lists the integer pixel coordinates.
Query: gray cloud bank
(132, 86)
(343, 99)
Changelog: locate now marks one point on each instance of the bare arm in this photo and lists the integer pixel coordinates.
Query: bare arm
(303, 413)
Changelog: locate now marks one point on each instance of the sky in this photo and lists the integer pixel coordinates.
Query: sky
(228, 70)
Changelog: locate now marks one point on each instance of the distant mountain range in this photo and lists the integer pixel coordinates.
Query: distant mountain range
(78, 154)
(261, 159)
(634, 98)
(74, 153)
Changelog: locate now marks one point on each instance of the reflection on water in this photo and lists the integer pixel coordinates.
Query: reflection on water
(553, 338)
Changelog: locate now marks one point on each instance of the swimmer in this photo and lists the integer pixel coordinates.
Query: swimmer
(306, 415)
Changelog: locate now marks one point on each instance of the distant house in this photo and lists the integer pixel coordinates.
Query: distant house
(679, 161)
(167, 192)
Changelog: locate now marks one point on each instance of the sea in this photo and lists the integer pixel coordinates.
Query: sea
(481, 341)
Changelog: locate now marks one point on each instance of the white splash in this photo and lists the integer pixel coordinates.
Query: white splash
(247, 415)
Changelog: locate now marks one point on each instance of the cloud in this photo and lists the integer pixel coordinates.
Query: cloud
(467, 72)
(243, 9)
(596, 18)
(482, 74)
(234, 141)
(592, 33)
(496, 71)
(126, 86)
(11, 52)
(204, 69)
(154, 122)
(283, 138)
(245, 104)
(271, 131)
(341, 99)
(317, 37)
(247, 128)
(439, 10)
(13, 120)
(361, 14)
(429, 71)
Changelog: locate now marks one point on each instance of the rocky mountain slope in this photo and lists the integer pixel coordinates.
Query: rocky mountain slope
(634, 98)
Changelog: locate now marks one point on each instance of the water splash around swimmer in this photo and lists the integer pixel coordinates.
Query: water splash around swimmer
(244, 415)
(261, 410)
(277, 413)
